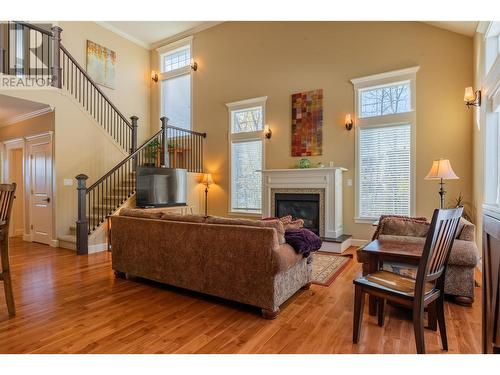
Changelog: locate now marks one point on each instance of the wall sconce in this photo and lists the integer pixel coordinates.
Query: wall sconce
(348, 121)
(268, 132)
(194, 65)
(154, 76)
(472, 98)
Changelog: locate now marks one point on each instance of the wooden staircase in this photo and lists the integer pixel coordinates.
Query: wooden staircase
(171, 147)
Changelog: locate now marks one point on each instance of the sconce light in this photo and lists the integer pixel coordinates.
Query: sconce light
(194, 65)
(472, 98)
(268, 132)
(348, 121)
(154, 76)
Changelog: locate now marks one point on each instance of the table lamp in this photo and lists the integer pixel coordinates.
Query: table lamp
(207, 181)
(441, 170)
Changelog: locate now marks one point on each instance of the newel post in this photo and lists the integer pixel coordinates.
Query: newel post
(133, 147)
(56, 57)
(164, 142)
(82, 234)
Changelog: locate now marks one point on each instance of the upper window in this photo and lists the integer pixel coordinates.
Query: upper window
(385, 100)
(385, 133)
(175, 83)
(176, 59)
(246, 119)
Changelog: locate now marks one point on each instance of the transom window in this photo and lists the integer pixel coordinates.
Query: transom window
(385, 152)
(246, 124)
(385, 100)
(178, 58)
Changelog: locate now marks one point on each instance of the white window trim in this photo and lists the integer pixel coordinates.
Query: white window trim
(175, 73)
(241, 137)
(377, 80)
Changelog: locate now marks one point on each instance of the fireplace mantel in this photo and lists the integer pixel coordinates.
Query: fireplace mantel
(328, 179)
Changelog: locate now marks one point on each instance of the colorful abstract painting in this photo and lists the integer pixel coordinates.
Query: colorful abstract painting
(101, 63)
(307, 123)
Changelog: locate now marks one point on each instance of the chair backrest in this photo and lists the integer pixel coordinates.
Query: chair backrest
(437, 247)
(7, 196)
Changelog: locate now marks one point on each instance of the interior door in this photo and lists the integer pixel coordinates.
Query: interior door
(41, 191)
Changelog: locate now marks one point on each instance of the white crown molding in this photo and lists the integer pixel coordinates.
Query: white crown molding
(123, 34)
(381, 76)
(193, 30)
(162, 42)
(27, 116)
(247, 102)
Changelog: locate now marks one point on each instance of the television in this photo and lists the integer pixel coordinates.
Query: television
(161, 187)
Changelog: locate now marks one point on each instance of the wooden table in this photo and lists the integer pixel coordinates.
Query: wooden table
(380, 251)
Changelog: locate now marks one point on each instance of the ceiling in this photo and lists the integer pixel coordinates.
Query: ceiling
(148, 33)
(151, 34)
(461, 27)
(15, 109)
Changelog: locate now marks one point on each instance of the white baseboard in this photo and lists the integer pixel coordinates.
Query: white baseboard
(54, 243)
(27, 237)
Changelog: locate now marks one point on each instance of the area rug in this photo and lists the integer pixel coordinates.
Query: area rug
(327, 266)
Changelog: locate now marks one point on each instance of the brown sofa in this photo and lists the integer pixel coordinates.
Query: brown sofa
(464, 255)
(241, 260)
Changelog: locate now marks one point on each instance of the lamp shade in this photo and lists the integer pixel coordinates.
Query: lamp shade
(207, 179)
(469, 95)
(441, 169)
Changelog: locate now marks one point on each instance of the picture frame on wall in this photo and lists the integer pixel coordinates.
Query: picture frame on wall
(307, 123)
(101, 64)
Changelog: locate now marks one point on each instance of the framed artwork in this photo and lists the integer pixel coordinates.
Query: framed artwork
(101, 63)
(307, 123)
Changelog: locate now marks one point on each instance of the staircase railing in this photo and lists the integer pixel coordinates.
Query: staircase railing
(171, 147)
(34, 51)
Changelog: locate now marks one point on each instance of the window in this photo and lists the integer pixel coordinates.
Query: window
(491, 117)
(175, 82)
(385, 137)
(246, 127)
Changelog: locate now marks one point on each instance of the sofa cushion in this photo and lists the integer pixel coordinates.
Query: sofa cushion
(286, 258)
(150, 213)
(404, 227)
(185, 218)
(275, 224)
(463, 253)
(466, 231)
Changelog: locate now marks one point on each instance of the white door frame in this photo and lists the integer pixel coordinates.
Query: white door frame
(15, 144)
(33, 141)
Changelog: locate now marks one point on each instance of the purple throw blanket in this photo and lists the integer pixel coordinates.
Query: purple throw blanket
(302, 240)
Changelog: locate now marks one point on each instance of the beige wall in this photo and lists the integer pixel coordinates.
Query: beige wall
(131, 95)
(36, 125)
(240, 60)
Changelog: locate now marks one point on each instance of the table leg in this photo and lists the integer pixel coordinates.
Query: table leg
(372, 301)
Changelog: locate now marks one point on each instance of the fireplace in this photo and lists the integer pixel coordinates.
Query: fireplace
(300, 205)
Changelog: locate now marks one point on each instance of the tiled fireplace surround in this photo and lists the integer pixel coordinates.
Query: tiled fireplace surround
(327, 182)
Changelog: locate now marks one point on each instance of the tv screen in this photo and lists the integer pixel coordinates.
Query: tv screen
(161, 187)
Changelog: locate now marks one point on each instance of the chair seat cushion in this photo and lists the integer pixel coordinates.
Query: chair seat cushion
(392, 282)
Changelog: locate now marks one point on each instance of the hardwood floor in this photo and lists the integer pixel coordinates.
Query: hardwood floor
(71, 304)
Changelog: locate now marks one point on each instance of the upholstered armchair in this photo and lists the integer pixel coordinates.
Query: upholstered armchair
(463, 258)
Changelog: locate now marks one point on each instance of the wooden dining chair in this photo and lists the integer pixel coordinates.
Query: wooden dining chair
(426, 290)
(7, 197)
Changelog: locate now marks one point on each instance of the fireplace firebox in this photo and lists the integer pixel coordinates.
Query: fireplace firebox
(303, 206)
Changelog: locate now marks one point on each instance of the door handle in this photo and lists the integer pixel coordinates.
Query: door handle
(46, 200)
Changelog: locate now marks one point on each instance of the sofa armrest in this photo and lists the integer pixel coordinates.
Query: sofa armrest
(468, 231)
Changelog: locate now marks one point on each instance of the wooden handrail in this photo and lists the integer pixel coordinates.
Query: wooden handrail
(116, 167)
(91, 81)
(34, 27)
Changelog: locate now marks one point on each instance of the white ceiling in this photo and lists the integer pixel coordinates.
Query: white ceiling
(148, 33)
(461, 27)
(151, 34)
(12, 109)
